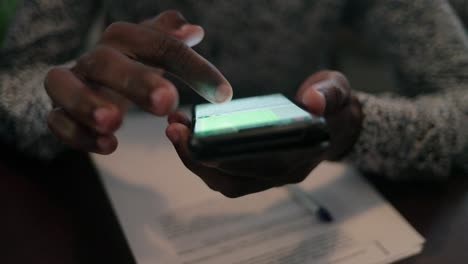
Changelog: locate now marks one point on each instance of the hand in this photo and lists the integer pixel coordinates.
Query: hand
(325, 93)
(328, 94)
(129, 63)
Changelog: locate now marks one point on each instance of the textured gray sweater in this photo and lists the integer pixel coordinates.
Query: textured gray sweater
(272, 46)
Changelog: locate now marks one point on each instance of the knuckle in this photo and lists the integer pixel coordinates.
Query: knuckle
(72, 134)
(169, 48)
(77, 104)
(51, 76)
(102, 57)
(61, 127)
(98, 58)
(184, 58)
(103, 52)
(77, 101)
(152, 79)
(161, 46)
(115, 30)
(86, 63)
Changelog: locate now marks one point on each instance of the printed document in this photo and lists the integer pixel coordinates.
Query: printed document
(169, 215)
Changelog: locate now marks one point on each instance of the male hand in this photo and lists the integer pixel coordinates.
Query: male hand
(129, 63)
(325, 94)
(329, 94)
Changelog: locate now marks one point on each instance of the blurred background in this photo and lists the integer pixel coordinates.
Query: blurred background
(7, 8)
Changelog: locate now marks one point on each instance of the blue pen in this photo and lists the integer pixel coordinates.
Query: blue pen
(309, 203)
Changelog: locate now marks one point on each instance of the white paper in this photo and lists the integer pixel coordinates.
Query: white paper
(170, 216)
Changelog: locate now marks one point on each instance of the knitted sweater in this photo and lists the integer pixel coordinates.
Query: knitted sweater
(272, 46)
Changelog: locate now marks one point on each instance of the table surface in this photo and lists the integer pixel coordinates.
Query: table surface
(58, 212)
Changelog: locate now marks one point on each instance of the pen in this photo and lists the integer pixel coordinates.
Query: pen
(309, 203)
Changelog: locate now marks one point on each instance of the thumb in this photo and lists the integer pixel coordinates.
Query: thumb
(325, 93)
(173, 23)
(179, 135)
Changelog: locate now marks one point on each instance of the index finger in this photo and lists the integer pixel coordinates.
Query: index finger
(159, 49)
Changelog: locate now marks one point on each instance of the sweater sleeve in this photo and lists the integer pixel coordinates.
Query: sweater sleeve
(461, 8)
(42, 34)
(423, 133)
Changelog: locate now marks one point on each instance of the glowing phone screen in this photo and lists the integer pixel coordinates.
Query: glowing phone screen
(247, 113)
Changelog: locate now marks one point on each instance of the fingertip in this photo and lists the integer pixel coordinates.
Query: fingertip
(173, 134)
(215, 94)
(177, 133)
(223, 93)
(108, 119)
(192, 35)
(106, 144)
(164, 100)
(314, 100)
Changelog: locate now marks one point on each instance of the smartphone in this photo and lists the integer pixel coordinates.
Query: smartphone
(253, 125)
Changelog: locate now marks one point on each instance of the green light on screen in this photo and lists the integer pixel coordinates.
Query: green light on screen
(234, 122)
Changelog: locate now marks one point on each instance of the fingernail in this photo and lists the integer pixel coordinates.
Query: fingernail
(102, 118)
(196, 34)
(223, 93)
(101, 114)
(314, 100)
(185, 27)
(158, 99)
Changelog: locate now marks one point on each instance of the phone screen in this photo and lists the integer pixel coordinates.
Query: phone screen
(247, 113)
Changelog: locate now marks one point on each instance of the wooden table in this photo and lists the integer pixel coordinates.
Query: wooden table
(57, 212)
(439, 212)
